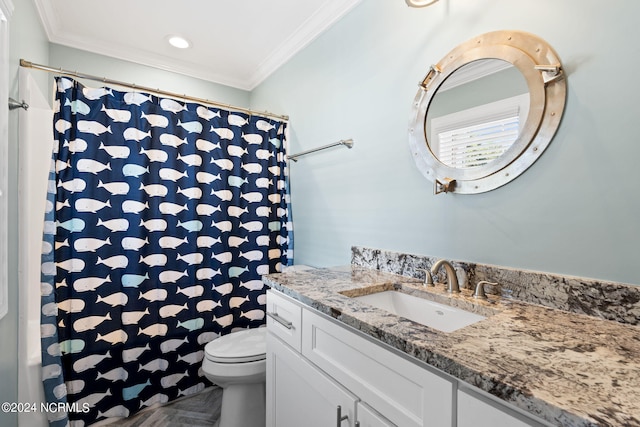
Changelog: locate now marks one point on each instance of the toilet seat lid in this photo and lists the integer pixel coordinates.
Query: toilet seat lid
(237, 347)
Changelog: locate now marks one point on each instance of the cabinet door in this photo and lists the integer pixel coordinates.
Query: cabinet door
(367, 417)
(476, 412)
(298, 394)
(403, 392)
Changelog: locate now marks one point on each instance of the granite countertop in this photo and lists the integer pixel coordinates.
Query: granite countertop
(568, 369)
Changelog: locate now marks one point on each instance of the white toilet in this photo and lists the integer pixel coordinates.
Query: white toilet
(237, 363)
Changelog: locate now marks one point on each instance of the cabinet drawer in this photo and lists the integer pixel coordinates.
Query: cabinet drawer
(476, 411)
(284, 318)
(405, 393)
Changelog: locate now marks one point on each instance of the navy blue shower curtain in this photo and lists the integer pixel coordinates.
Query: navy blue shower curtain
(161, 218)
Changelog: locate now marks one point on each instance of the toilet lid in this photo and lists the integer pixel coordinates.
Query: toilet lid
(244, 346)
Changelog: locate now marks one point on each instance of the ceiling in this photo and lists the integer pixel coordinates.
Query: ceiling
(237, 43)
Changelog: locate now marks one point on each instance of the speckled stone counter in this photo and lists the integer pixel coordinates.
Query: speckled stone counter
(568, 369)
(582, 295)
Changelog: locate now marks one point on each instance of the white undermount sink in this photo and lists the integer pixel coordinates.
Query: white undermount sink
(426, 312)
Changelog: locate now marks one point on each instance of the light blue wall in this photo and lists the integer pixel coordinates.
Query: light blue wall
(125, 71)
(26, 37)
(575, 212)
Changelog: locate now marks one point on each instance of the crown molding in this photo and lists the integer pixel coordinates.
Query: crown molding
(311, 29)
(48, 17)
(308, 31)
(54, 33)
(144, 58)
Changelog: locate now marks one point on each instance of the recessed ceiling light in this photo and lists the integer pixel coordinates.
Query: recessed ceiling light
(179, 42)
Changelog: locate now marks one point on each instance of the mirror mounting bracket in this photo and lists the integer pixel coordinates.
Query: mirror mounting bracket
(433, 72)
(444, 187)
(550, 73)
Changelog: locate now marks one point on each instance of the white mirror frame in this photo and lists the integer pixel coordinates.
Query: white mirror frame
(544, 75)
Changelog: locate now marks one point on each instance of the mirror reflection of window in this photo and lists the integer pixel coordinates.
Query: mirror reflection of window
(476, 136)
(477, 113)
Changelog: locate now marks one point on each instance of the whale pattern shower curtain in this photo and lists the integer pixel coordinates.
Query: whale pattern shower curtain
(161, 218)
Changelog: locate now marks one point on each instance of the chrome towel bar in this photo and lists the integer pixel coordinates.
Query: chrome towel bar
(346, 142)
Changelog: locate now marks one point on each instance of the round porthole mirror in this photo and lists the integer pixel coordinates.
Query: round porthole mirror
(486, 112)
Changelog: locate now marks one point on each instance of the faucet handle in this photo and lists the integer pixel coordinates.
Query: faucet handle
(428, 278)
(480, 293)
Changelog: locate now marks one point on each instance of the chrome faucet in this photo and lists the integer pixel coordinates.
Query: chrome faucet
(452, 279)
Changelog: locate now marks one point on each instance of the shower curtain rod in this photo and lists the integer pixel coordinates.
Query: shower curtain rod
(104, 80)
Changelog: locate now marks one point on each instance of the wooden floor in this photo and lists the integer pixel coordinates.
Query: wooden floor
(201, 410)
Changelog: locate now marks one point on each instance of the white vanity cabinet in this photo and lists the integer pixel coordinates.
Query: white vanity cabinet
(373, 386)
(315, 364)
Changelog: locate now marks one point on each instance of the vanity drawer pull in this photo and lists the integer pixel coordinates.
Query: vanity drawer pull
(280, 320)
(339, 417)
